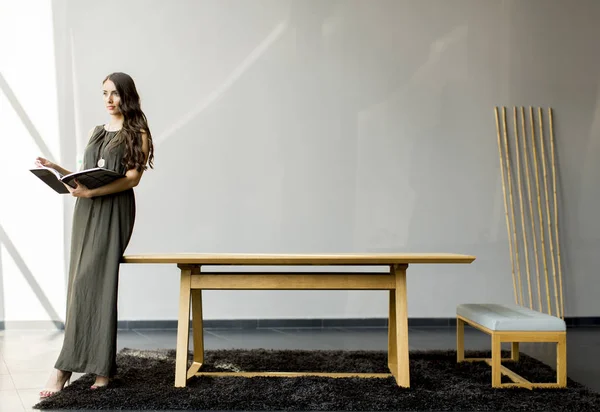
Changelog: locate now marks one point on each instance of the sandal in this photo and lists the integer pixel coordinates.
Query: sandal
(46, 393)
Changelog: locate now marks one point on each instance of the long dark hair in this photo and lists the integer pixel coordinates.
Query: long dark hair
(134, 120)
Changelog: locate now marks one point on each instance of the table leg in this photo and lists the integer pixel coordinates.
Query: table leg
(392, 342)
(401, 326)
(183, 328)
(198, 332)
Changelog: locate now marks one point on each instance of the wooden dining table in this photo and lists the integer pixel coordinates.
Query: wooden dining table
(323, 274)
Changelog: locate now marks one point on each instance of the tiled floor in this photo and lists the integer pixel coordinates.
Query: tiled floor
(27, 357)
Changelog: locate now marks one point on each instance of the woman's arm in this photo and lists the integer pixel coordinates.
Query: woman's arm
(131, 180)
(40, 161)
(61, 169)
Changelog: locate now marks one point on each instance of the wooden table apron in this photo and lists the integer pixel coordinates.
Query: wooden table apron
(194, 280)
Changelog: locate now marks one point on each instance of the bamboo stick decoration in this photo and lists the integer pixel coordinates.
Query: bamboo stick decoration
(528, 176)
(521, 206)
(539, 204)
(512, 204)
(541, 174)
(562, 308)
(550, 242)
(505, 205)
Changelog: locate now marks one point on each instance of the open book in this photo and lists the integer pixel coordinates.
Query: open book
(91, 178)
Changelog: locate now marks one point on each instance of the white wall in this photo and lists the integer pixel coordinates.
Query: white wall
(337, 126)
(32, 235)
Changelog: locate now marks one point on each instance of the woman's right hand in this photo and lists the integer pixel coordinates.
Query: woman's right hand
(40, 161)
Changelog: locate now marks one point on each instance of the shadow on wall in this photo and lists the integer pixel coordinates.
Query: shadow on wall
(20, 111)
(5, 241)
(12, 251)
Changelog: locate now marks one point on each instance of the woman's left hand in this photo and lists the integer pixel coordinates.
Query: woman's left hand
(79, 191)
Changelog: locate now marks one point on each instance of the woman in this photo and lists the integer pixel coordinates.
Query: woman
(102, 225)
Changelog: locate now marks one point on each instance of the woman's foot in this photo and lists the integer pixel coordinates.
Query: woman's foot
(56, 383)
(100, 382)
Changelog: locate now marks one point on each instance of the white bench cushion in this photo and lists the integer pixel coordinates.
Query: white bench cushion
(510, 317)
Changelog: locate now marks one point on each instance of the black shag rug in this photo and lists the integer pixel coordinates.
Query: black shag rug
(145, 382)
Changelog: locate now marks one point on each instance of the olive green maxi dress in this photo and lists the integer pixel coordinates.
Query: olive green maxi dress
(102, 227)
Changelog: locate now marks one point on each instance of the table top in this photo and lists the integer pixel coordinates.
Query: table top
(298, 259)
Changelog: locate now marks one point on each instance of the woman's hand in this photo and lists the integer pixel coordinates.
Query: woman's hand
(80, 190)
(40, 161)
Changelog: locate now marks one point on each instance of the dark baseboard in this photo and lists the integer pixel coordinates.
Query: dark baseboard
(31, 324)
(323, 323)
(261, 323)
(584, 321)
(572, 322)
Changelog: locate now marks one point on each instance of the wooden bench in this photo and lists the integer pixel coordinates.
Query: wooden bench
(515, 324)
(194, 279)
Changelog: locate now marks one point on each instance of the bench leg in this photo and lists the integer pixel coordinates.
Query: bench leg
(496, 361)
(514, 351)
(460, 340)
(183, 328)
(561, 361)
